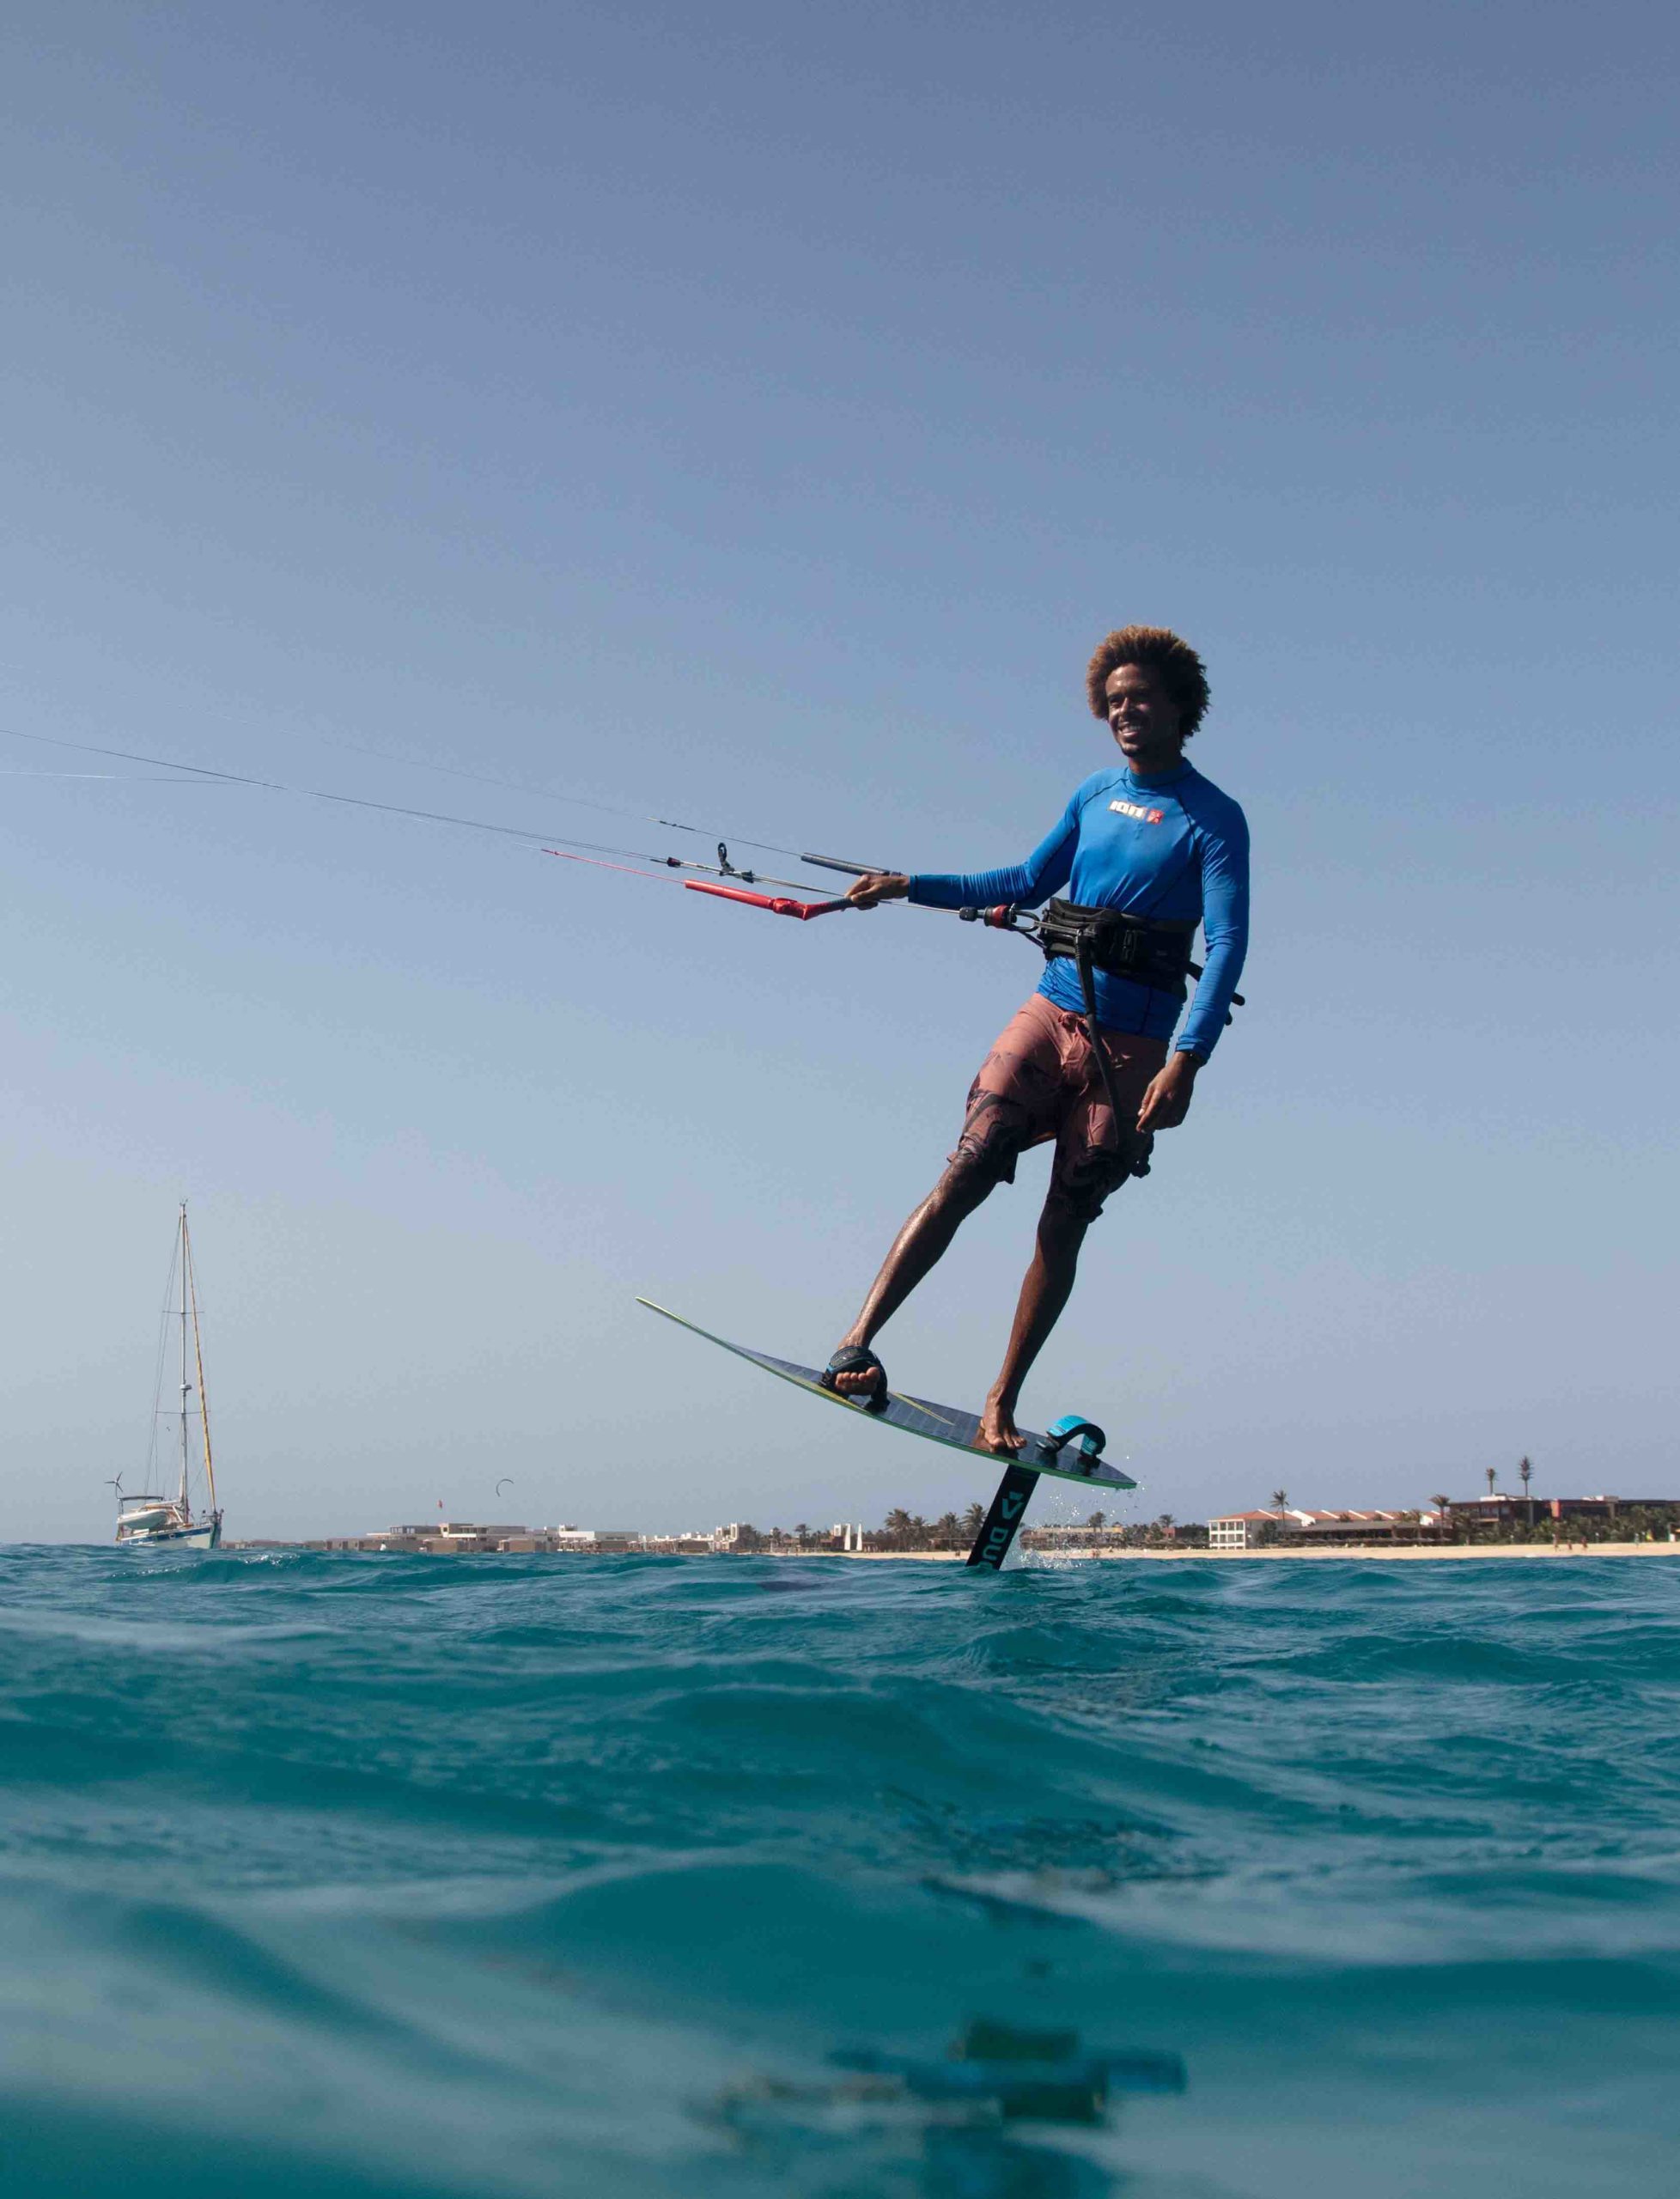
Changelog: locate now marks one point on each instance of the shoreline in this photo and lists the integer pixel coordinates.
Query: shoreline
(1365, 1552)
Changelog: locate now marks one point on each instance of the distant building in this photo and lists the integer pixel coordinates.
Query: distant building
(1504, 1509)
(1301, 1526)
(1239, 1530)
(1297, 1526)
(443, 1537)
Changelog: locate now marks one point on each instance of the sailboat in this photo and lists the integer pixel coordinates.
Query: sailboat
(173, 1521)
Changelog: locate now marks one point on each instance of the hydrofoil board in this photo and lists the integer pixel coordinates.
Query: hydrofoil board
(947, 1424)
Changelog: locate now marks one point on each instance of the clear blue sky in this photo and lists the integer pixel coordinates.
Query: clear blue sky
(755, 416)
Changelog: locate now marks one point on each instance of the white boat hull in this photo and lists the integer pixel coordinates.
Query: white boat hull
(200, 1534)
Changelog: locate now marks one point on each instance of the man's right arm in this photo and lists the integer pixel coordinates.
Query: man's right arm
(1024, 884)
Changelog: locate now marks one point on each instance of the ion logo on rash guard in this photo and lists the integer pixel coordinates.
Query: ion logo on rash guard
(1131, 809)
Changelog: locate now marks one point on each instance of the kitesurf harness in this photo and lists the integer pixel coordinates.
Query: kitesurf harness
(1147, 951)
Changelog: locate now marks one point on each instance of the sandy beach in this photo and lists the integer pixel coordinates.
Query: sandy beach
(1404, 1553)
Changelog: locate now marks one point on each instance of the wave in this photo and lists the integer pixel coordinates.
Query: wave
(354, 1874)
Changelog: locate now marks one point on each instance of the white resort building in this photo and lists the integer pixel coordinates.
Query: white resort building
(1294, 1523)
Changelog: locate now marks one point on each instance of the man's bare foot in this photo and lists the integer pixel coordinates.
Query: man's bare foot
(998, 1431)
(862, 1380)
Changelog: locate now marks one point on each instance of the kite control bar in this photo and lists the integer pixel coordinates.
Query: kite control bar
(834, 862)
(780, 905)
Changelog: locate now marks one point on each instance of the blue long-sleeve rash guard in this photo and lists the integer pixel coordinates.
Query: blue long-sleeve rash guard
(1174, 848)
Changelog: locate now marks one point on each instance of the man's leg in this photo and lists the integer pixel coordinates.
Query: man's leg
(917, 1249)
(1094, 1156)
(1012, 1104)
(1045, 1291)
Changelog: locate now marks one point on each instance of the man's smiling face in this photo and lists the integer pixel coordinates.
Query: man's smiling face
(1143, 720)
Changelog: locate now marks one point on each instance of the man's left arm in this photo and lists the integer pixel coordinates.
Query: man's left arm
(1225, 932)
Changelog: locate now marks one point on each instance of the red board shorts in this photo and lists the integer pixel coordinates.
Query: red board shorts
(1040, 1081)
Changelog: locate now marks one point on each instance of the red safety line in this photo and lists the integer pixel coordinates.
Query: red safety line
(663, 877)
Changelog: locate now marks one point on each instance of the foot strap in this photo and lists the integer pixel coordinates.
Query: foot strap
(857, 1359)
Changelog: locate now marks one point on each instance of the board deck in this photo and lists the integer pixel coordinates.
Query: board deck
(947, 1424)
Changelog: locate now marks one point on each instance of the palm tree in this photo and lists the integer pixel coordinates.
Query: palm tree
(801, 1534)
(1281, 1498)
(1525, 1473)
(1443, 1504)
(898, 1523)
(1492, 1472)
(1097, 1522)
(974, 1518)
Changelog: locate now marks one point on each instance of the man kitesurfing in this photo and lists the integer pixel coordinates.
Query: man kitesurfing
(1149, 849)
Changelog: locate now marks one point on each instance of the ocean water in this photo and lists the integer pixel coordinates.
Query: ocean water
(405, 1878)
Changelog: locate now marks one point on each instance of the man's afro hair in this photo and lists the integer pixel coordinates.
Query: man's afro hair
(1159, 650)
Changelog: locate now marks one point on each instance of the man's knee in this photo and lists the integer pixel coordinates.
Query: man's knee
(1067, 1214)
(971, 1174)
(994, 1134)
(1080, 1187)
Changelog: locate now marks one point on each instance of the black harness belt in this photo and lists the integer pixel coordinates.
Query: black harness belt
(1149, 953)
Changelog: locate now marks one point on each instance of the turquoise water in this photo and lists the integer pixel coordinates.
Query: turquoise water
(340, 1875)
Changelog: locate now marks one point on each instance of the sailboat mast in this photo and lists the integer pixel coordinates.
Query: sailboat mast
(186, 1387)
(198, 1360)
